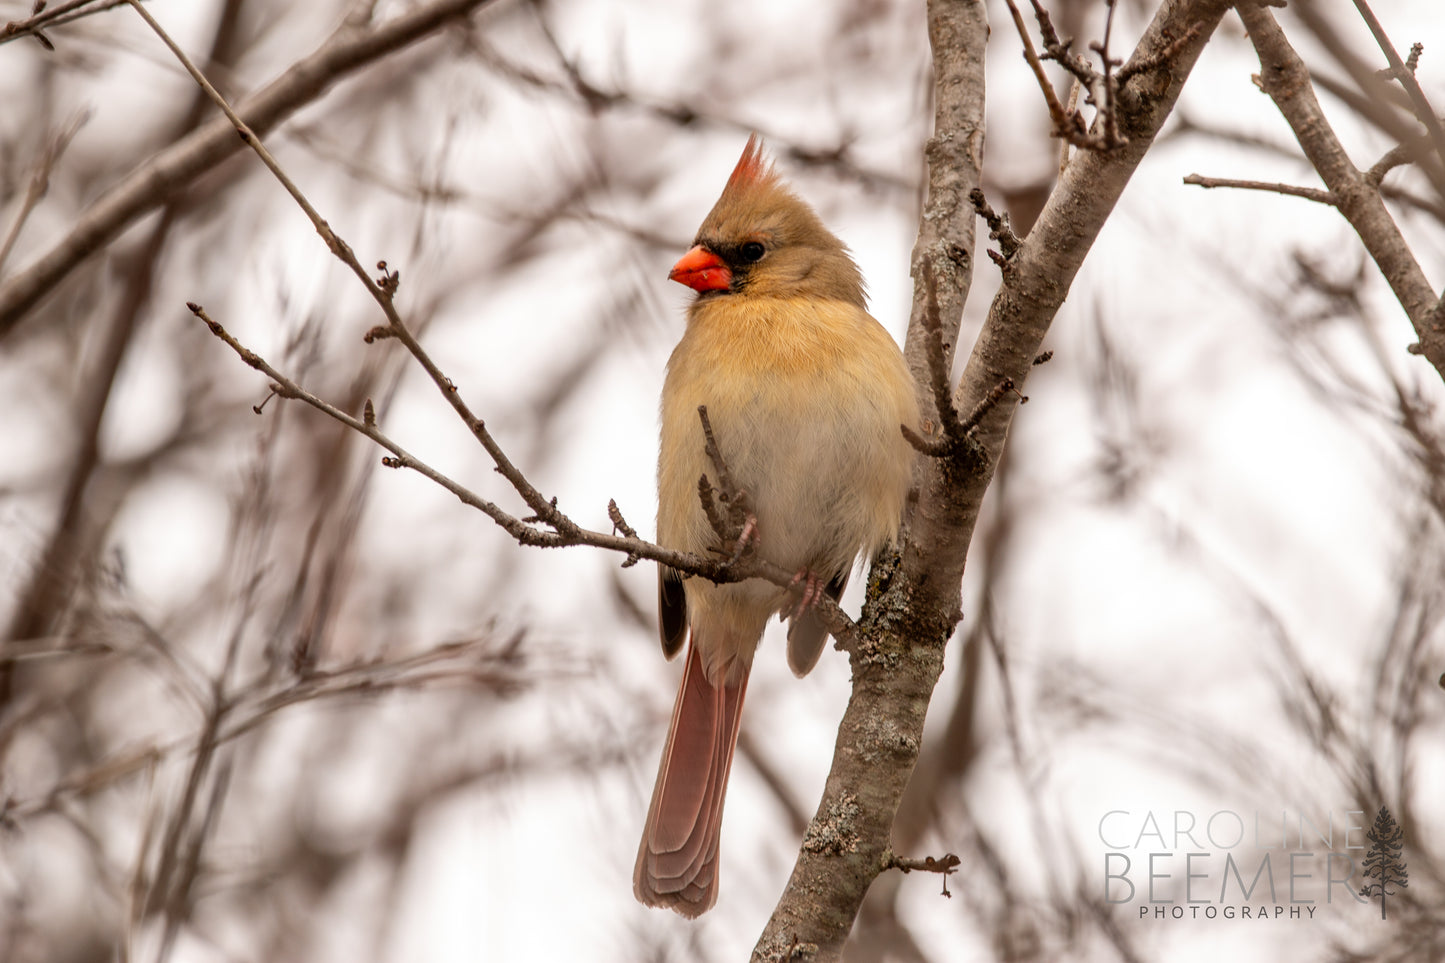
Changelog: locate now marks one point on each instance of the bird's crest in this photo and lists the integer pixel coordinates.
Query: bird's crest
(752, 170)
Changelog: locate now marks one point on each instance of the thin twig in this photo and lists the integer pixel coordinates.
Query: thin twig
(1112, 137)
(401, 458)
(1308, 193)
(1408, 150)
(740, 525)
(998, 230)
(937, 352)
(1396, 156)
(1405, 74)
(55, 16)
(1070, 127)
(986, 404)
(1102, 86)
(714, 453)
(40, 181)
(952, 439)
(1073, 106)
(715, 519)
(1060, 52)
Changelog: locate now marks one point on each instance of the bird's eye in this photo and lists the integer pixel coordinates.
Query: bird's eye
(752, 251)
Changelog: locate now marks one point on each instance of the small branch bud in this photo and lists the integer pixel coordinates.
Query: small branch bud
(389, 280)
(619, 524)
(275, 390)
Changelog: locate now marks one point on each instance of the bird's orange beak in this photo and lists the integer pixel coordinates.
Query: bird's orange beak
(701, 270)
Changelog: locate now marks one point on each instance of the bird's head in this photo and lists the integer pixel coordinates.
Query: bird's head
(762, 240)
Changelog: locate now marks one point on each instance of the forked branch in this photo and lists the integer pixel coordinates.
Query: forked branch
(1284, 76)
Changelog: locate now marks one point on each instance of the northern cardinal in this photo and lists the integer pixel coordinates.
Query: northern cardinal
(806, 394)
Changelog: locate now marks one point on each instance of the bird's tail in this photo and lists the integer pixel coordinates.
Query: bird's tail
(677, 861)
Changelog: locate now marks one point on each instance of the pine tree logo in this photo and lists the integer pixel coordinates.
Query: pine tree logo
(1383, 863)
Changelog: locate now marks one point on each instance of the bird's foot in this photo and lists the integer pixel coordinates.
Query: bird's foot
(747, 535)
(812, 591)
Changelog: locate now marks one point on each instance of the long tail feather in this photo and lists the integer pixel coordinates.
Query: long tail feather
(677, 861)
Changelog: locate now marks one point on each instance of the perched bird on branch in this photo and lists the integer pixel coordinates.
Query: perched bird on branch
(806, 394)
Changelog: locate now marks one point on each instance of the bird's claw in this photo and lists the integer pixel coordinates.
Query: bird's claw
(812, 592)
(748, 534)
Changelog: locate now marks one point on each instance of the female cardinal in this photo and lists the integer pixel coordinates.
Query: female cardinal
(806, 394)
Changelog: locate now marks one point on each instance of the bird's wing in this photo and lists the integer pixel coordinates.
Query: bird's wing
(671, 610)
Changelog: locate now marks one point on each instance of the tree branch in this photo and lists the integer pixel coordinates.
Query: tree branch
(944, 866)
(904, 625)
(61, 13)
(952, 439)
(178, 165)
(914, 606)
(1285, 78)
(1308, 193)
(566, 533)
(1404, 72)
(1068, 124)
